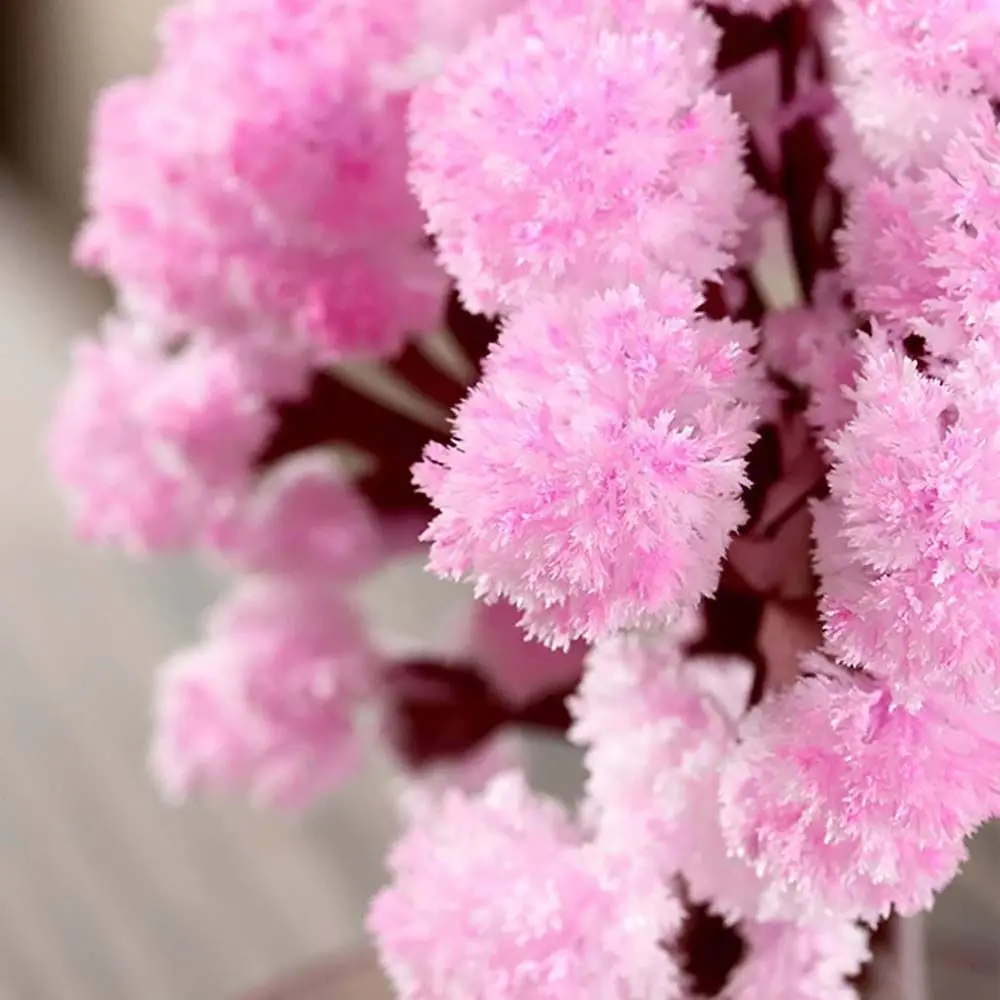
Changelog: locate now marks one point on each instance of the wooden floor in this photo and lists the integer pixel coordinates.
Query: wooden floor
(106, 894)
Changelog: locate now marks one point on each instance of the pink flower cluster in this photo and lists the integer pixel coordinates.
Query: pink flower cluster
(886, 760)
(850, 791)
(502, 895)
(597, 420)
(921, 248)
(913, 72)
(270, 702)
(579, 173)
(656, 727)
(906, 550)
(153, 439)
(267, 704)
(762, 486)
(249, 203)
(261, 182)
(533, 184)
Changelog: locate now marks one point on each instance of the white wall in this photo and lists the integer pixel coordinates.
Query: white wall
(73, 49)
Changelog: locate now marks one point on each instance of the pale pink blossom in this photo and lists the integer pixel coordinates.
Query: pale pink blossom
(152, 442)
(813, 961)
(921, 511)
(596, 472)
(652, 737)
(499, 896)
(550, 156)
(267, 704)
(885, 249)
(261, 181)
(964, 194)
(913, 74)
(919, 250)
(656, 727)
(684, 19)
(852, 803)
(304, 519)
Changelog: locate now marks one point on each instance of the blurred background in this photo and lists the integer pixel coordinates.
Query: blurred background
(108, 894)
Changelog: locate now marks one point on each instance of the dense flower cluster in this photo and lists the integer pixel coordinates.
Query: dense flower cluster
(261, 182)
(598, 420)
(535, 182)
(727, 275)
(914, 72)
(939, 229)
(644, 712)
(155, 441)
(611, 409)
(504, 890)
(267, 702)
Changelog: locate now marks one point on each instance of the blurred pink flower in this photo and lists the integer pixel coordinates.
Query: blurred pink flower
(267, 704)
(262, 182)
(151, 443)
(305, 519)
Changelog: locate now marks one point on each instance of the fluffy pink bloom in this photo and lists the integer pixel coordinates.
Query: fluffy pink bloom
(596, 472)
(921, 511)
(894, 459)
(925, 636)
(258, 179)
(800, 961)
(920, 251)
(653, 737)
(656, 728)
(964, 194)
(553, 154)
(714, 874)
(885, 248)
(267, 704)
(498, 896)
(912, 72)
(853, 804)
(816, 347)
(150, 444)
(305, 519)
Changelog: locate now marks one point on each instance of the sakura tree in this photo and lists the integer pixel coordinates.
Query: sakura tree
(499, 283)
